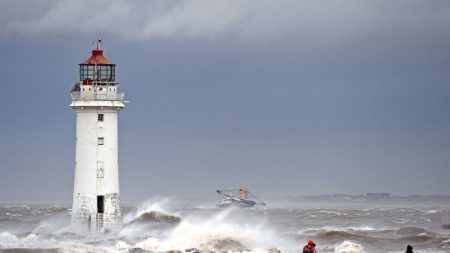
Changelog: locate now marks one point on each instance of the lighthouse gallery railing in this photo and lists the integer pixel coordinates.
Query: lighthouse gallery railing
(97, 96)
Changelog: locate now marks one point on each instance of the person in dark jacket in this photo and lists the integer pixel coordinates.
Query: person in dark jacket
(310, 247)
(409, 249)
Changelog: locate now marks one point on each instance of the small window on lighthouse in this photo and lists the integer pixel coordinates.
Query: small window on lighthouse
(100, 170)
(101, 140)
(100, 117)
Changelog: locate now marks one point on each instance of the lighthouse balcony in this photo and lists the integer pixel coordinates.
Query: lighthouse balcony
(97, 96)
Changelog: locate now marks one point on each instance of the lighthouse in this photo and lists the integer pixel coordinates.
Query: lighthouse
(97, 102)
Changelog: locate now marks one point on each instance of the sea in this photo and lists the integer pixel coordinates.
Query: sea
(336, 223)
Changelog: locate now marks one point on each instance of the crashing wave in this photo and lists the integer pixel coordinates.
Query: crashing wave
(348, 247)
(155, 217)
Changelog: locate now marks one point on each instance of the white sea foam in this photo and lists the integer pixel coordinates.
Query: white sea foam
(348, 247)
(364, 228)
(223, 228)
(332, 212)
(7, 238)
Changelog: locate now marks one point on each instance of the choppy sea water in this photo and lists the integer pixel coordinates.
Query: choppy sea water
(162, 225)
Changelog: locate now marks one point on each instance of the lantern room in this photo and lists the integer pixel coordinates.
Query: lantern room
(97, 69)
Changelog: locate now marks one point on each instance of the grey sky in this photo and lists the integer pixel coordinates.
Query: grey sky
(285, 97)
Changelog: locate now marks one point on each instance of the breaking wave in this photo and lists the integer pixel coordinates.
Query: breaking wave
(218, 232)
(349, 247)
(155, 217)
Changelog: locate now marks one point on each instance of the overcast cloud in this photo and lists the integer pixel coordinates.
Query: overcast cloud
(326, 21)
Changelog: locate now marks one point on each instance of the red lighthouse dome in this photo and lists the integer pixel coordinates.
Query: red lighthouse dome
(97, 68)
(97, 57)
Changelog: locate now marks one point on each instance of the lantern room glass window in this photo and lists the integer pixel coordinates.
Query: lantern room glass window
(99, 72)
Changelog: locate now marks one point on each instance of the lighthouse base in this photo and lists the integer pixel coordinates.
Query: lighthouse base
(98, 211)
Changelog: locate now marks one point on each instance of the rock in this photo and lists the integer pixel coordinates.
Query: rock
(224, 245)
(193, 250)
(172, 251)
(139, 250)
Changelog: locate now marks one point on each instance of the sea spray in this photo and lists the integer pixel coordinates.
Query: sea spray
(150, 219)
(348, 247)
(224, 230)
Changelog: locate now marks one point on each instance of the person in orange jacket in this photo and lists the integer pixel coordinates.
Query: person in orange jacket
(310, 247)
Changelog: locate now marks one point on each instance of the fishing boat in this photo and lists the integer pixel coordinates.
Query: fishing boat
(241, 197)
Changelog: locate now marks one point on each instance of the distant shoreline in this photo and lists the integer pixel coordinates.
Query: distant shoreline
(332, 198)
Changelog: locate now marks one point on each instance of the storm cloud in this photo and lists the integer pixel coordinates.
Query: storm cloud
(285, 97)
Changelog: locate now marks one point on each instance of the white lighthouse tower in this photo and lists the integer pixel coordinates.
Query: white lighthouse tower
(97, 102)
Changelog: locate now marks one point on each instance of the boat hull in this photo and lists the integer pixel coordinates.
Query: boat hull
(244, 203)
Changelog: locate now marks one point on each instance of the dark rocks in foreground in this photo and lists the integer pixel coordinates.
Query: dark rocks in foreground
(225, 245)
(138, 250)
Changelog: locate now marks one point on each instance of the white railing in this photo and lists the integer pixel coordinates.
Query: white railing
(97, 95)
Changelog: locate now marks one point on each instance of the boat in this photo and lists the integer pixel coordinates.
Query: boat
(241, 197)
